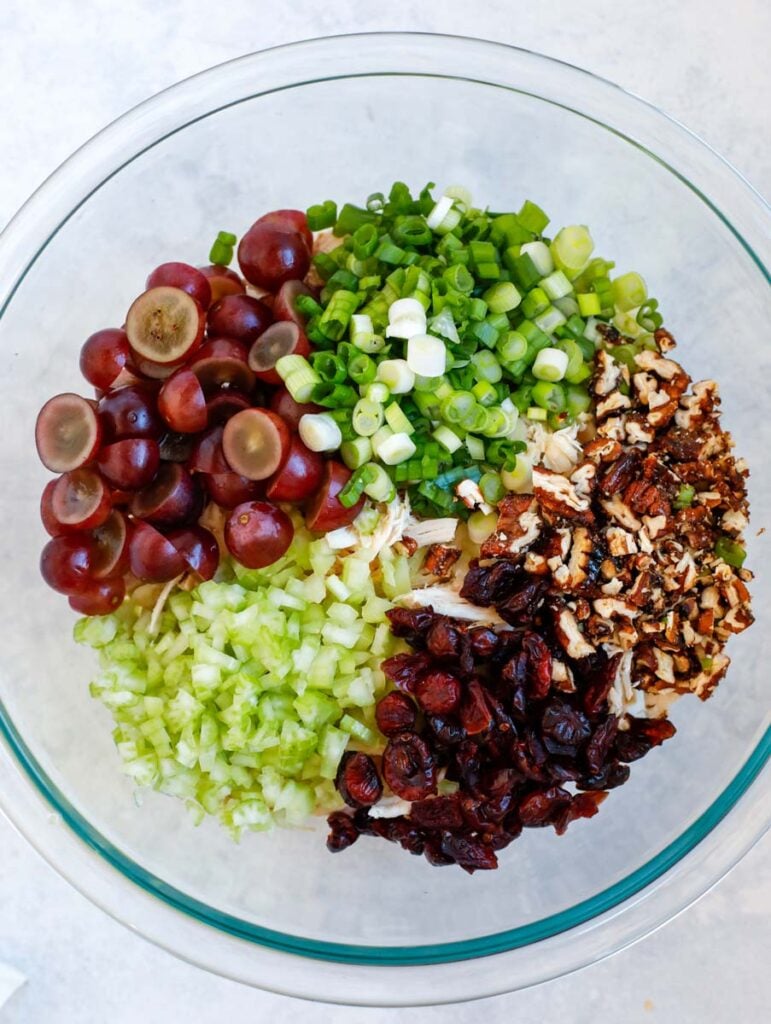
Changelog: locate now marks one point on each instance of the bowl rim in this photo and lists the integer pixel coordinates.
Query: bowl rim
(621, 894)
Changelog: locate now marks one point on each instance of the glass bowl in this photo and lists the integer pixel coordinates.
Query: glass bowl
(343, 117)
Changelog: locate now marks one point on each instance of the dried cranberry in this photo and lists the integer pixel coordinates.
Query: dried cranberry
(394, 713)
(411, 624)
(471, 854)
(600, 672)
(434, 854)
(437, 812)
(642, 734)
(358, 782)
(475, 714)
(583, 805)
(520, 606)
(541, 807)
(403, 670)
(497, 808)
(484, 642)
(539, 663)
(447, 731)
(468, 763)
(565, 726)
(562, 770)
(342, 832)
(443, 639)
(408, 766)
(609, 777)
(438, 693)
(599, 745)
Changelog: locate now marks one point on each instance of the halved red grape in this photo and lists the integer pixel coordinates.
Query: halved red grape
(291, 412)
(182, 403)
(238, 316)
(104, 357)
(289, 220)
(130, 463)
(258, 534)
(101, 597)
(81, 499)
(325, 511)
(222, 281)
(299, 477)
(170, 499)
(151, 371)
(269, 255)
(207, 455)
(50, 523)
(255, 443)
(165, 325)
(120, 497)
(182, 275)
(68, 433)
(281, 339)
(223, 361)
(284, 303)
(111, 547)
(152, 557)
(229, 489)
(66, 562)
(130, 412)
(176, 447)
(198, 547)
(226, 403)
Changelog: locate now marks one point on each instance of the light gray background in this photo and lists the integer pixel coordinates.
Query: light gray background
(71, 66)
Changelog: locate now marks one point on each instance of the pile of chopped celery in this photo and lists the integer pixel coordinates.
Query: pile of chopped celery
(242, 696)
(439, 325)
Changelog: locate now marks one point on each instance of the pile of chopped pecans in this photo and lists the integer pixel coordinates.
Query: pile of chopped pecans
(625, 568)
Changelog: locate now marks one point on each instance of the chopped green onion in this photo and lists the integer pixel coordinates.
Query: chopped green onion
(535, 412)
(426, 356)
(532, 217)
(221, 252)
(447, 438)
(458, 277)
(397, 375)
(648, 316)
(589, 304)
(319, 432)
(512, 346)
(377, 484)
(571, 249)
(535, 302)
(322, 215)
(577, 400)
(731, 552)
(491, 487)
(411, 230)
(329, 367)
(335, 319)
(575, 371)
(502, 297)
(486, 366)
(550, 364)
(365, 241)
(550, 320)
(556, 285)
(396, 449)
(377, 392)
(380, 437)
(356, 452)
(540, 255)
(367, 417)
(481, 525)
(362, 369)
(352, 217)
(397, 421)
(456, 406)
(299, 377)
(475, 447)
(460, 194)
(520, 478)
(549, 396)
(484, 392)
(629, 291)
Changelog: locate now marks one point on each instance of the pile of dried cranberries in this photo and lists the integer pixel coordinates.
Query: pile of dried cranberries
(478, 708)
(188, 410)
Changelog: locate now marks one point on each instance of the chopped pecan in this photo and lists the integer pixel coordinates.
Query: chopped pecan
(440, 560)
(557, 496)
(569, 634)
(519, 524)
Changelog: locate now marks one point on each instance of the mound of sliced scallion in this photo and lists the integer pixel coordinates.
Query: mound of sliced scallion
(242, 696)
(439, 325)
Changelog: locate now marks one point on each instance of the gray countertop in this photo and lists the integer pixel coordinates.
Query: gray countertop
(71, 66)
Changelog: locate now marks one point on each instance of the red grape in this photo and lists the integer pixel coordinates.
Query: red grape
(255, 443)
(223, 361)
(183, 276)
(152, 557)
(284, 303)
(258, 534)
(68, 433)
(51, 524)
(299, 477)
(198, 547)
(207, 455)
(176, 447)
(81, 499)
(130, 463)
(99, 597)
(66, 562)
(111, 547)
(182, 403)
(282, 339)
(171, 498)
(165, 325)
(223, 281)
(229, 489)
(291, 412)
(269, 256)
(226, 403)
(104, 356)
(238, 316)
(130, 412)
(290, 220)
(325, 511)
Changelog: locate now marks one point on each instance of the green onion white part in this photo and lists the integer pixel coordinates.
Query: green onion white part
(319, 432)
